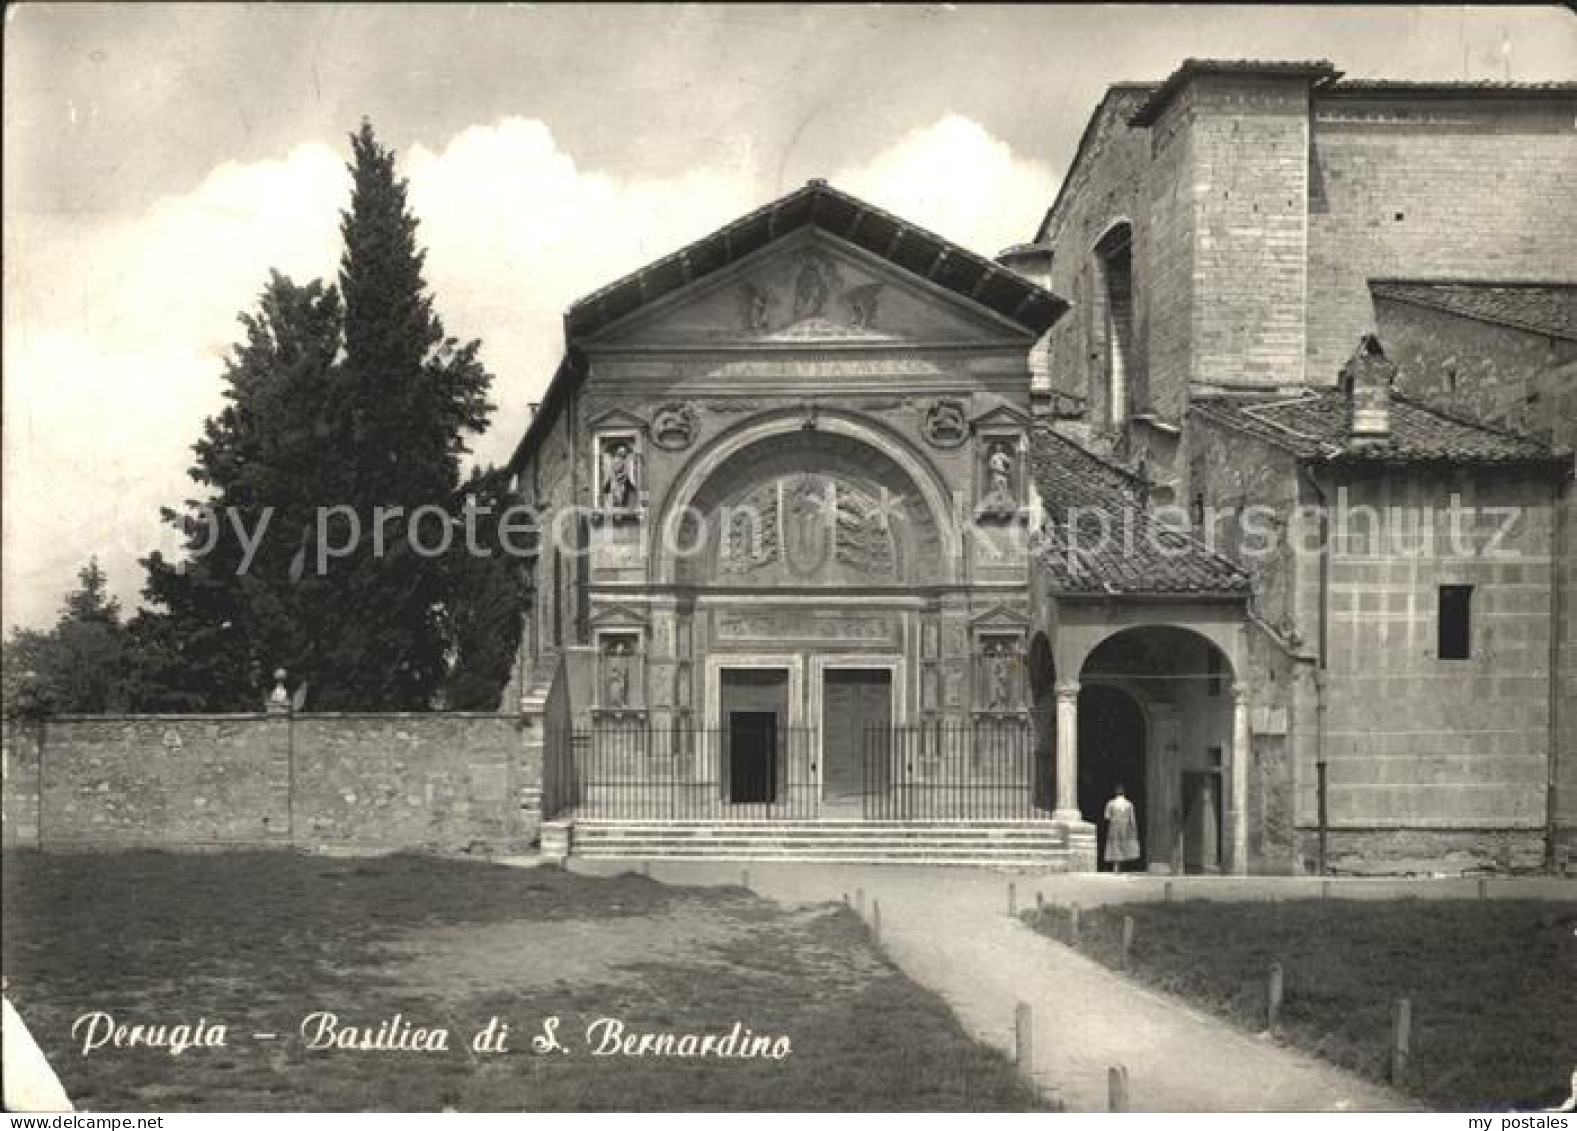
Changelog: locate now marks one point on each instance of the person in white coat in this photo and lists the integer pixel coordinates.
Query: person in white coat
(1122, 831)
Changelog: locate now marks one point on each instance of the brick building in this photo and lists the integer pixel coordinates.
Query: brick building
(1224, 238)
(879, 549)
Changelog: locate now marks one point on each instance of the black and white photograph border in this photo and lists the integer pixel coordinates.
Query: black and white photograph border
(756, 558)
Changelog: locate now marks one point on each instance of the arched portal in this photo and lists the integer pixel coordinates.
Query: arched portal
(1112, 737)
(1158, 713)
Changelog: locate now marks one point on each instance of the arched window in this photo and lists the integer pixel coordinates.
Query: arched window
(1114, 328)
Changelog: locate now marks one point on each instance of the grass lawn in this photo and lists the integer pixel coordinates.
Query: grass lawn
(1493, 984)
(259, 940)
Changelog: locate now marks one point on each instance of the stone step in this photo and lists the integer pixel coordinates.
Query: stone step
(771, 832)
(961, 824)
(1051, 860)
(811, 838)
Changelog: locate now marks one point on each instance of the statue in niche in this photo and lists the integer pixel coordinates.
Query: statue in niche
(999, 672)
(999, 479)
(753, 307)
(862, 302)
(619, 488)
(945, 424)
(810, 291)
(617, 684)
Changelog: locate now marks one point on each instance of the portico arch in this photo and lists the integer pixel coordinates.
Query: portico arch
(761, 429)
(1189, 742)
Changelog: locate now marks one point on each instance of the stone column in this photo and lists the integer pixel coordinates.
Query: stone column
(1067, 751)
(1242, 751)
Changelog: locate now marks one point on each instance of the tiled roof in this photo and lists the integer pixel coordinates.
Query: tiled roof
(1543, 308)
(1319, 70)
(1314, 427)
(1461, 86)
(1100, 538)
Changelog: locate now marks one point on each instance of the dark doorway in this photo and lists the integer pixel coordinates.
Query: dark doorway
(856, 703)
(752, 756)
(754, 716)
(1111, 753)
(1043, 713)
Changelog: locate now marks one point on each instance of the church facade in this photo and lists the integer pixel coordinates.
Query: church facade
(859, 543)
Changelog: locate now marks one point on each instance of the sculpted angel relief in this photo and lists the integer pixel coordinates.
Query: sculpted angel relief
(812, 527)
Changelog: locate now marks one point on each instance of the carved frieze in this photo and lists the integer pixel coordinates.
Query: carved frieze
(801, 624)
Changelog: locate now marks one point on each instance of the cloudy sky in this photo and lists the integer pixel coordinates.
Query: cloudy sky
(159, 159)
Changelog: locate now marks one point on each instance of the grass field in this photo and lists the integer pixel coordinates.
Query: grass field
(259, 940)
(1493, 985)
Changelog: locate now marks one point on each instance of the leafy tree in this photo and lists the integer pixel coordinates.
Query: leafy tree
(407, 398)
(339, 407)
(489, 592)
(234, 607)
(81, 665)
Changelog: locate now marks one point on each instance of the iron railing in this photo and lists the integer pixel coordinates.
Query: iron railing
(989, 769)
(632, 769)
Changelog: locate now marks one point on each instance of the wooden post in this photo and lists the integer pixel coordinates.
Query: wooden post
(1012, 900)
(1273, 991)
(1401, 1039)
(1117, 1088)
(1024, 1038)
(1127, 942)
(1073, 924)
(876, 921)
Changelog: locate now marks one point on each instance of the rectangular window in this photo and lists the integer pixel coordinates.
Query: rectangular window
(1456, 622)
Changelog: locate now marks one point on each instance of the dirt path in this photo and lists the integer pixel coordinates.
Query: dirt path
(949, 929)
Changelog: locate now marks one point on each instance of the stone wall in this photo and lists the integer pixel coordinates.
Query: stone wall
(1247, 177)
(1528, 382)
(439, 781)
(1105, 188)
(1469, 188)
(1413, 740)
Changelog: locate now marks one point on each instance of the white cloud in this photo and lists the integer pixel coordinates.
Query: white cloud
(116, 330)
(957, 179)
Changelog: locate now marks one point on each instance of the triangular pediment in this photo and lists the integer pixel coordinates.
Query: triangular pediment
(810, 288)
(618, 616)
(616, 418)
(1000, 616)
(1000, 415)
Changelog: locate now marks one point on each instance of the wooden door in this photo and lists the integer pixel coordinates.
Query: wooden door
(853, 700)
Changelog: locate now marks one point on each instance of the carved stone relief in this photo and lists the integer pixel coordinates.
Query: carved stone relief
(674, 427)
(946, 424)
(809, 524)
(815, 300)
